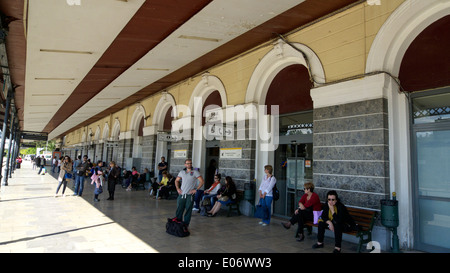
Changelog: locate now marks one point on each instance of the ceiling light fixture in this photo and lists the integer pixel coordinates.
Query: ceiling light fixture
(66, 51)
(154, 69)
(54, 79)
(199, 38)
(108, 98)
(46, 95)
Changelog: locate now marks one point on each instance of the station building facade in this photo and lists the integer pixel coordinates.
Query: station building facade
(356, 102)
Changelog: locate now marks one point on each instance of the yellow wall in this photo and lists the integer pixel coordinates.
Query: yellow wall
(342, 42)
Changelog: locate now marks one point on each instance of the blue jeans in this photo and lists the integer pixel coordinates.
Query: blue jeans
(268, 203)
(63, 182)
(79, 184)
(198, 197)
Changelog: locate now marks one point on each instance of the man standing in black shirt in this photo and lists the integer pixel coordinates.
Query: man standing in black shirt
(162, 166)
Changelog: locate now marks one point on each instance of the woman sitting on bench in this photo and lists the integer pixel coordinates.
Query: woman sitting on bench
(228, 196)
(308, 203)
(336, 217)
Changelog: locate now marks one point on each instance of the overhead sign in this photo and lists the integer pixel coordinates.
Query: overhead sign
(38, 136)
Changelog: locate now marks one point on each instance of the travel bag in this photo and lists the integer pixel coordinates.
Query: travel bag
(176, 227)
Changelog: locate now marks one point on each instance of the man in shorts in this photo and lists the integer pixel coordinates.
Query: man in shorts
(187, 190)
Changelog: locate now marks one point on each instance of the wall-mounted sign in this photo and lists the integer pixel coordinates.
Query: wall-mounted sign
(218, 130)
(231, 153)
(166, 137)
(179, 153)
(109, 144)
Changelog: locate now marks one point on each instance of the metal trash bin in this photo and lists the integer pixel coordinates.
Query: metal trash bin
(389, 219)
(249, 195)
(249, 191)
(389, 213)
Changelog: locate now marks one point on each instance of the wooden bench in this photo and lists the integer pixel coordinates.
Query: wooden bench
(235, 205)
(364, 218)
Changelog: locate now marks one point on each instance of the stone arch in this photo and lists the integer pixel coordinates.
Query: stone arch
(116, 130)
(97, 134)
(164, 104)
(400, 30)
(205, 87)
(105, 134)
(280, 57)
(136, 118)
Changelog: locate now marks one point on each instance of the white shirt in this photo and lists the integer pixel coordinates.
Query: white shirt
(267, 185)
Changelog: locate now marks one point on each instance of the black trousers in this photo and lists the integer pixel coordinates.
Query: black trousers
(300, 218)
(338, 229)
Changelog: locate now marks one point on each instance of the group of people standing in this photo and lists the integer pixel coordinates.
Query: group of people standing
(80, 169)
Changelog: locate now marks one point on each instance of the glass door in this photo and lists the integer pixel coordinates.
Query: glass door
(431, 141)
(295, 178)
(293, 160)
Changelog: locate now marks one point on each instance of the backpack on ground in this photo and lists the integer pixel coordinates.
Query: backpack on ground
(176, 227)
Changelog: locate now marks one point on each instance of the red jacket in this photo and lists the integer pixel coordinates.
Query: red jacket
(314, 201)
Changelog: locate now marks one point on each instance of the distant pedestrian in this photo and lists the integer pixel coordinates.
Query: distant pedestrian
(66, 168)
(33, 159)
(98, 178)
(58, 162)
(54, 163)
(113, 177)
(42, 165)
(81, 168)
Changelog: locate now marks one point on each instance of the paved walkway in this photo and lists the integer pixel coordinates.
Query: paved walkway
(33, 220)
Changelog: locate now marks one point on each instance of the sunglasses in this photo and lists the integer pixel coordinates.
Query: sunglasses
(331, 199)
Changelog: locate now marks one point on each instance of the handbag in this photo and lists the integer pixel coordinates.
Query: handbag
(68, 176)
(206, 202)
(316, 215)
(275, 193)
(261, 210)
